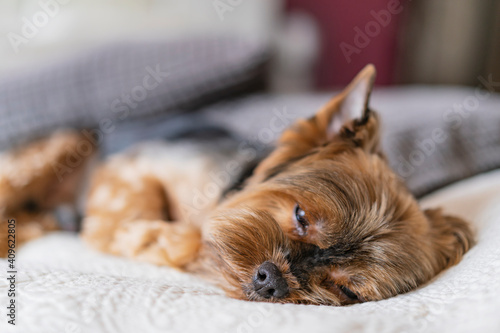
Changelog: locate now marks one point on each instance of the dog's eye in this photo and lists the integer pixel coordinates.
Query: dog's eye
(349, 293)
(302, 223)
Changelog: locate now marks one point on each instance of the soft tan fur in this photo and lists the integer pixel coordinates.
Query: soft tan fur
(364, 237)
(32, 184)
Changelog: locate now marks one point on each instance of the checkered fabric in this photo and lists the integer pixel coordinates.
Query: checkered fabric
(122, 81)
(432, 136)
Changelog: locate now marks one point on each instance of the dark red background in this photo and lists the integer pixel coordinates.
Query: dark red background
(336, 20)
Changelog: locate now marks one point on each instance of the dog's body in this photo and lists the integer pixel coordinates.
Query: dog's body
(321, 220)
(135, 192)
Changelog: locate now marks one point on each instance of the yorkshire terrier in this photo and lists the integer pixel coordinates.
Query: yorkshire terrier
(321, 220)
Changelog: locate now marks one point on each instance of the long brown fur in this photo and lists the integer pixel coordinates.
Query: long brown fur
(365, 232)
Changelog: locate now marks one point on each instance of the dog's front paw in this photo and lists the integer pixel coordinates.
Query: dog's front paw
(158, 242)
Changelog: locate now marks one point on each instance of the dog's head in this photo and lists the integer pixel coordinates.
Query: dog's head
(324, 219)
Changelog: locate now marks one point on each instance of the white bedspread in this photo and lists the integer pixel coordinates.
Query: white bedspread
(64, 287)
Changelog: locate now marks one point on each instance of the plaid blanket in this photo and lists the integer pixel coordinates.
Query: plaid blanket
(136, 91)
(124, 81)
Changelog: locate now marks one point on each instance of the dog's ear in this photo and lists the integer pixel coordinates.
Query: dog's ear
(346, 116)
(451, 238)
(350, 105)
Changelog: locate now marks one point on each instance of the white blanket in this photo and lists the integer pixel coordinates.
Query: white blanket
(62, 286)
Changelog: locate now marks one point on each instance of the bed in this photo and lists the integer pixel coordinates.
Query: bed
(63, 286)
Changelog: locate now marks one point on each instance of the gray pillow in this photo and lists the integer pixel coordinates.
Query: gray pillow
(122, 81)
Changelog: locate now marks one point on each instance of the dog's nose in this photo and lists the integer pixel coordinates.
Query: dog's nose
(268, 281)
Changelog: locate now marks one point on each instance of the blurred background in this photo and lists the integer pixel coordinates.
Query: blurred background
(95, 64)
(314, 44)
